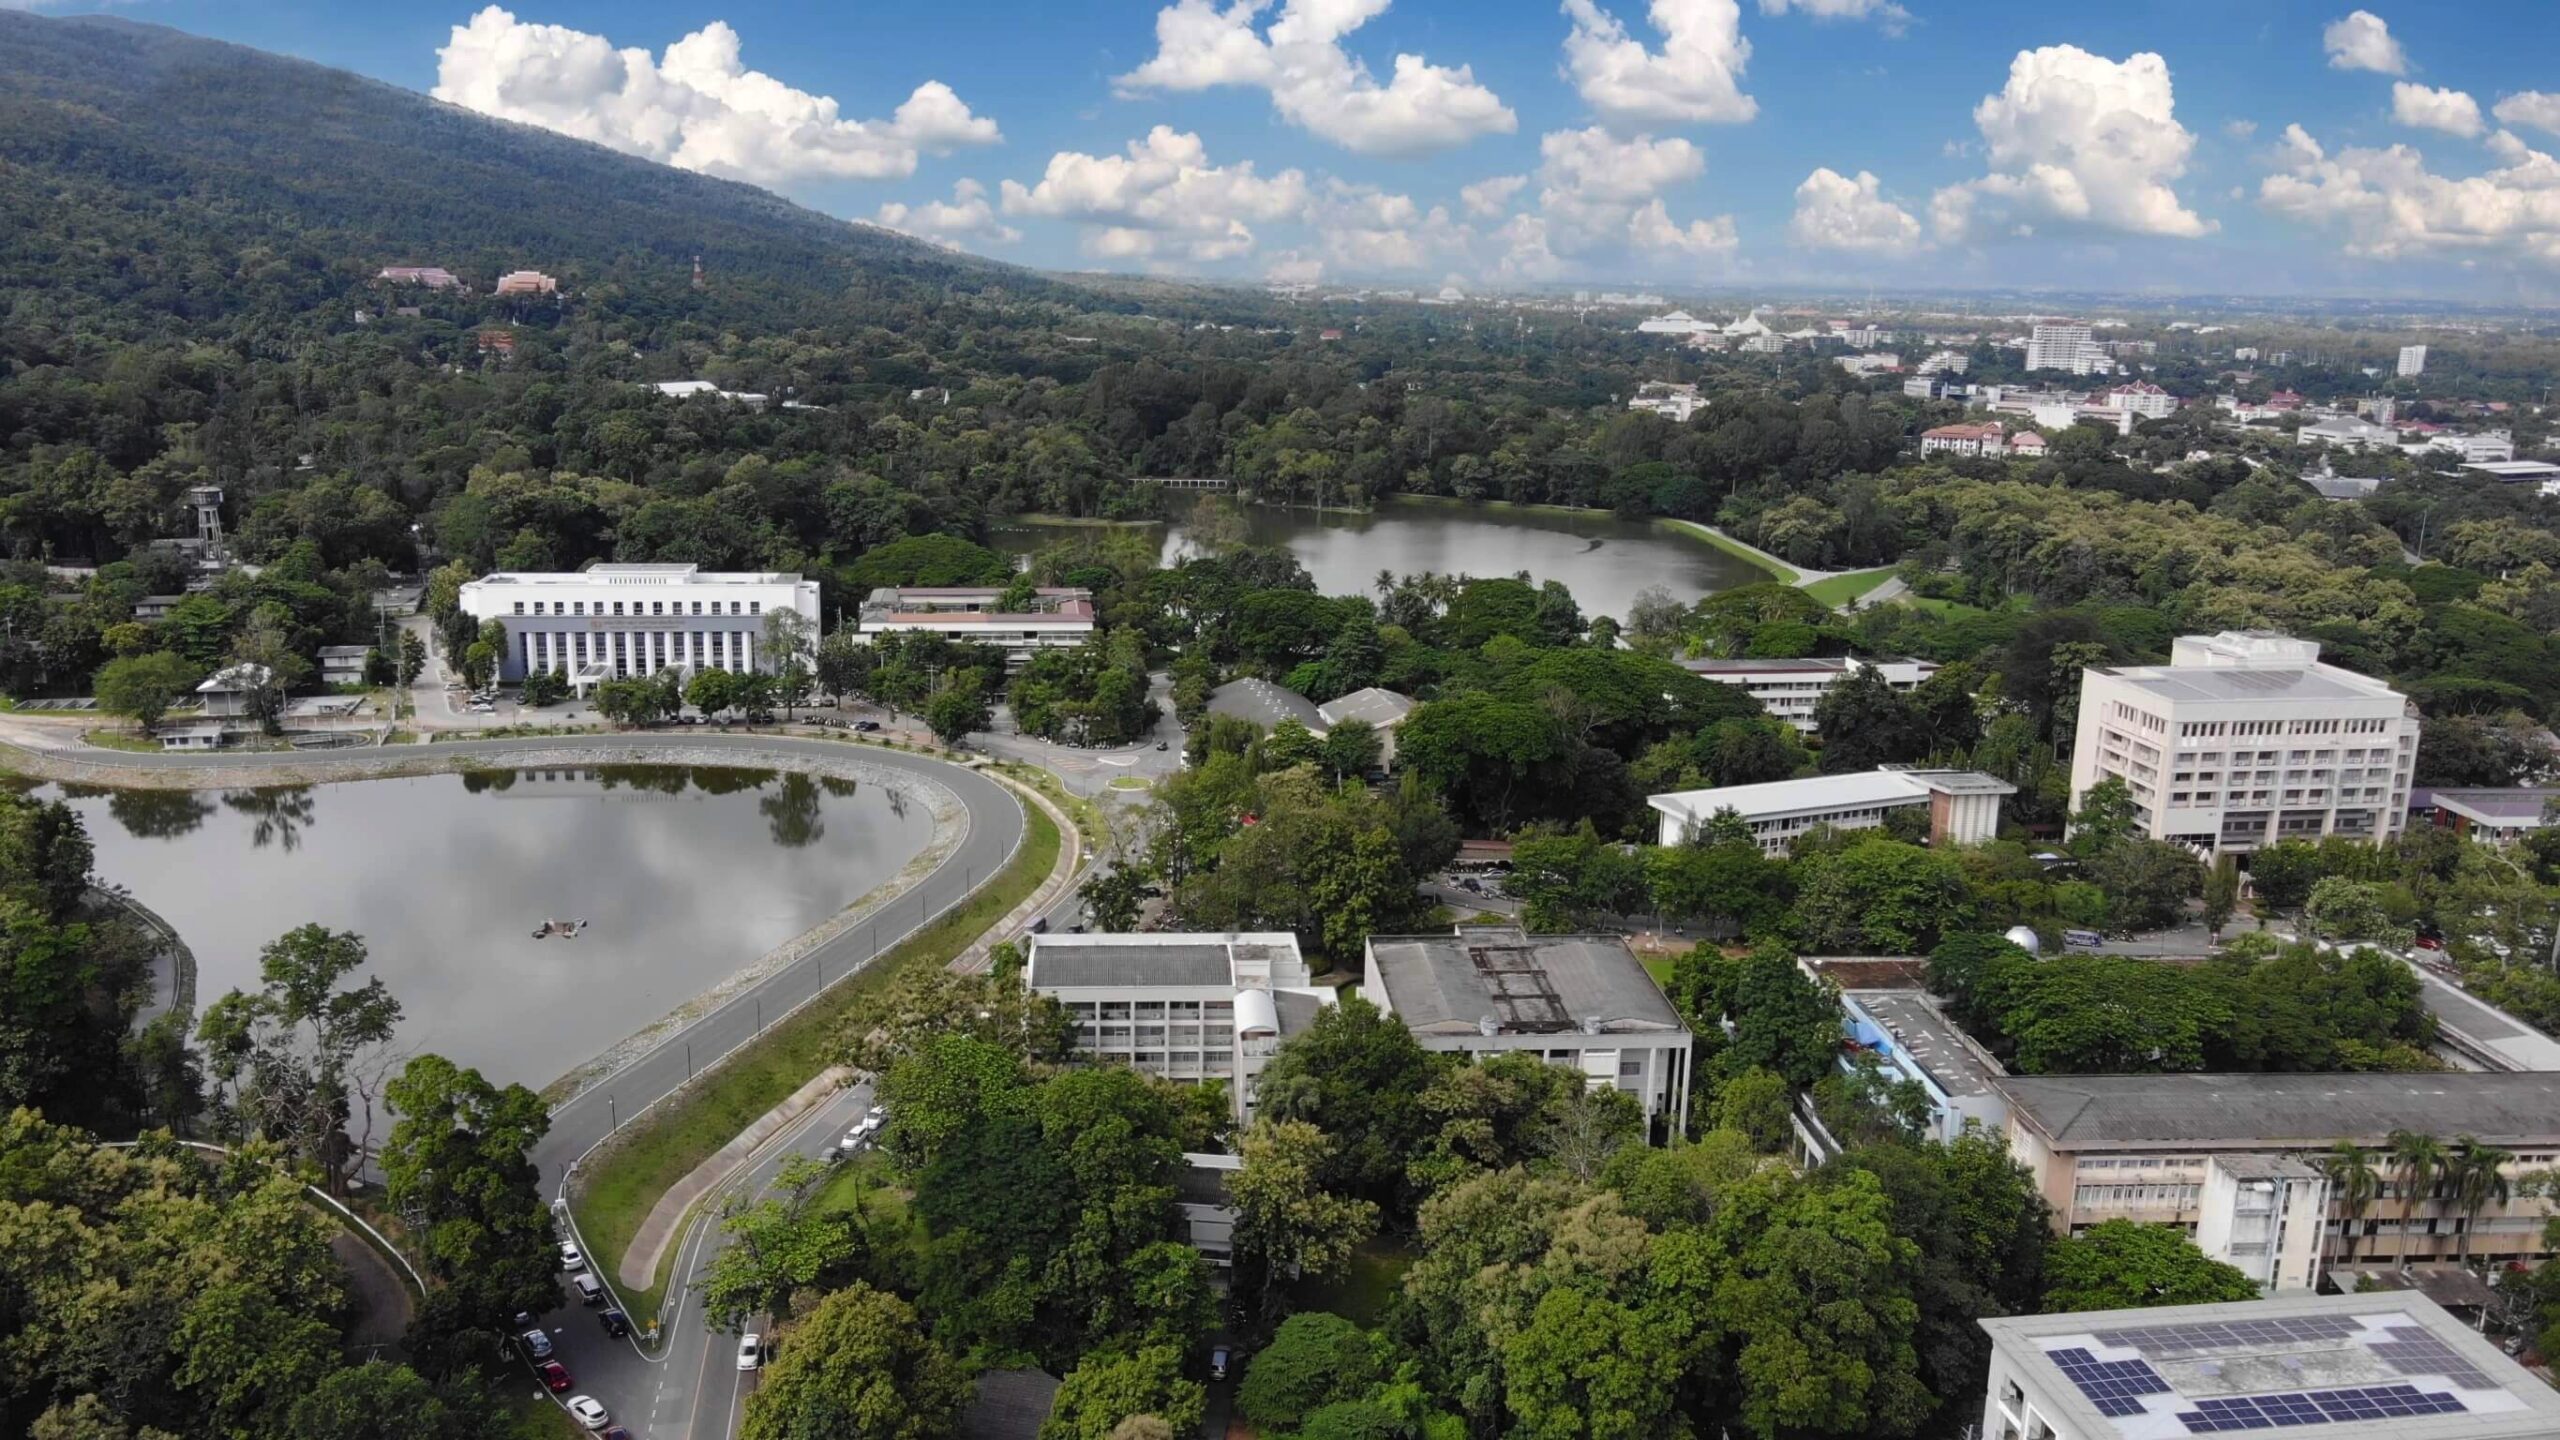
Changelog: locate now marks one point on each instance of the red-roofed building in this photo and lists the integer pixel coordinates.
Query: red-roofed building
(2284, 400)
(2027, 444)
(1987, 438)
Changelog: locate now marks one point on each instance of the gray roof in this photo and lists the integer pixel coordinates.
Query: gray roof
(1528, 984)
(2249, 682)
(1264, 703)
(2515, 803)
(1297, 1010)
(344, 652)
(1010, 1405)
(1930, 1038)
(1378, 707)
(1119, 966)
(2260, 1112)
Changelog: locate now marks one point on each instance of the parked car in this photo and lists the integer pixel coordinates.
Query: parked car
(571, 1257)
(615, 1432)
(866, 726)
(2086, 939)
(555, 1376)
(750, 1350)
(536, 1343)
(1040, 925)
(614, 1321)
(587, 1410)
(589, 1291)
(1218, 1359)
(1164, 744)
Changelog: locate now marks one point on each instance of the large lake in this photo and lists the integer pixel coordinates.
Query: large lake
(683, 875)
(1603, 560)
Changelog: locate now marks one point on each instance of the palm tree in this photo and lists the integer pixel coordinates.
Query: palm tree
(2353, 1187)
(2479, 1177)
(2417, 1163)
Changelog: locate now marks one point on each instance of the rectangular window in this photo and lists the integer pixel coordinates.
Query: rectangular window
(519, 607)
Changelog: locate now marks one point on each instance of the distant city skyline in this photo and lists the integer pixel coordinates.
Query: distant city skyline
(2286, 149)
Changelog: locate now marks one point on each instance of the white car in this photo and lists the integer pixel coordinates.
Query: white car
(572, 1258)
(587, 1410)
(750, 1350)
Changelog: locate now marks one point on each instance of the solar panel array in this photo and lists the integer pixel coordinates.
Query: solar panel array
(2112, 1385)
(2173, 1342)
(2415, 1352)
(2315, 1407)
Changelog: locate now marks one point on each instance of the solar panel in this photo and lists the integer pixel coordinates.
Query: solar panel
(2170, 1342)
(2114, 1386)
(2415, 1352)
(2315, 1407)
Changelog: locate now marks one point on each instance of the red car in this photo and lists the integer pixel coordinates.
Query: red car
(555, 1376)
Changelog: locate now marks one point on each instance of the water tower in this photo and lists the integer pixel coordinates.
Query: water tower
(207, 502)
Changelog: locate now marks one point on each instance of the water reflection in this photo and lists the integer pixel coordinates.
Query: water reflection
(683, 874)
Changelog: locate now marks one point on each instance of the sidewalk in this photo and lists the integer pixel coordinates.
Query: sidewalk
(638, 1268)
(974, 960)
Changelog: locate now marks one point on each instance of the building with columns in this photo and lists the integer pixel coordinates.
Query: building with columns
(616, 622)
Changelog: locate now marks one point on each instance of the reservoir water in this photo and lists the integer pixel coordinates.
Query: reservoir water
(683, 875)
(1603, 560)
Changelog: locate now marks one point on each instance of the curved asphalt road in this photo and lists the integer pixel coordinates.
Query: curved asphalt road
(621, 1374)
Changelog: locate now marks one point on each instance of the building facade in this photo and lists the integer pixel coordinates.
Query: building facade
(1188, 1007)
(2391, 1366)
(527, 282)
(2221, 1157)
(1059, 617)
(1790, 689)
(1963, 806)
(342, 664)
(612, 622)
(2413, 361)
(1580, 1001)
(2246, 738)
(2066, 347)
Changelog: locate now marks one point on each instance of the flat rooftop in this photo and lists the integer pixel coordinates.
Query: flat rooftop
(2357, 1367)
(1823, 794)
(638, 574)
(2278, 1112)
(1526, 984)
(2207, 684)
(2506, 1041)
(1203, 965)
(2516, 805)
(1930, 1039)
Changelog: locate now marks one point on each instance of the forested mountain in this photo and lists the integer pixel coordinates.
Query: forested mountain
(157, 179)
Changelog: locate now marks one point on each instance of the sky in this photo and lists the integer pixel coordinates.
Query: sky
(2236, 148)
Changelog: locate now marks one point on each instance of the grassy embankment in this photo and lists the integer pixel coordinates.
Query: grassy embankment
(616, 1193)
(1838, 590)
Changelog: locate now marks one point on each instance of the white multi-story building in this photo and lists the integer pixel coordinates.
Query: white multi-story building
(2413, 360)
(611, 622)
(2142, 398)
(1946, 362)
(1881, 362)
(1581, 1001)
(2245, 738)
(1060, 616)
(1189, 1007)
(1964, 805)
(1762, 343)
(2394, 1366)
(2066, 347)
(1790, 689)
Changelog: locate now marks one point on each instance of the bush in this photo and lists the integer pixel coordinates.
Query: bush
(1315, 1358)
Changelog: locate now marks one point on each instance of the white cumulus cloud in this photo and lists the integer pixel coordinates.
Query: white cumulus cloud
(1363, 228)
(1598, 191)
(1651, 228)
(2362, 42)
(2451, 111)
(1837, 212)
(1313, 81)
(1161, 200)
(2080, 139)
(1491, 196)
(2388, 205)
(697, 106)
(1694, 79)
(2535, 108)
(1893, 15)
(966, 217)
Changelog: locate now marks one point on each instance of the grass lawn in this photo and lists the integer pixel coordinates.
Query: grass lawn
(106, 739)
(617, 1192)
(1131, 782)
(1838, 590)
(1361, 1293)
(1778, 570)
(1659, 967)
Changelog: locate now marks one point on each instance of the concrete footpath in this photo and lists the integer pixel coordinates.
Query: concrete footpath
(638, 1269)
(1062, 874)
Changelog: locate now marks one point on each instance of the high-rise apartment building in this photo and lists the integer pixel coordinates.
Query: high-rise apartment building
(2066, 347)
(2413, 360)
(2245, 738)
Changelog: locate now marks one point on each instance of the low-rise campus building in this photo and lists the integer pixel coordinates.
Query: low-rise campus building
(611, 622)
(1581, 1001)
(1789, 689)
(1964, 805)
(1057, 616)
(1192, 1007)
(2343, 1367)
(2223, 1157)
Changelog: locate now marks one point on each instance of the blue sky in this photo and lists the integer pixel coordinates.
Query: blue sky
(1682, 143)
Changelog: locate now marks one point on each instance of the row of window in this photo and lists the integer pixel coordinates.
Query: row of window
(2209, 798)
(648, 650)
(656, 607)
(2283, 727)
(1150, 1009)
